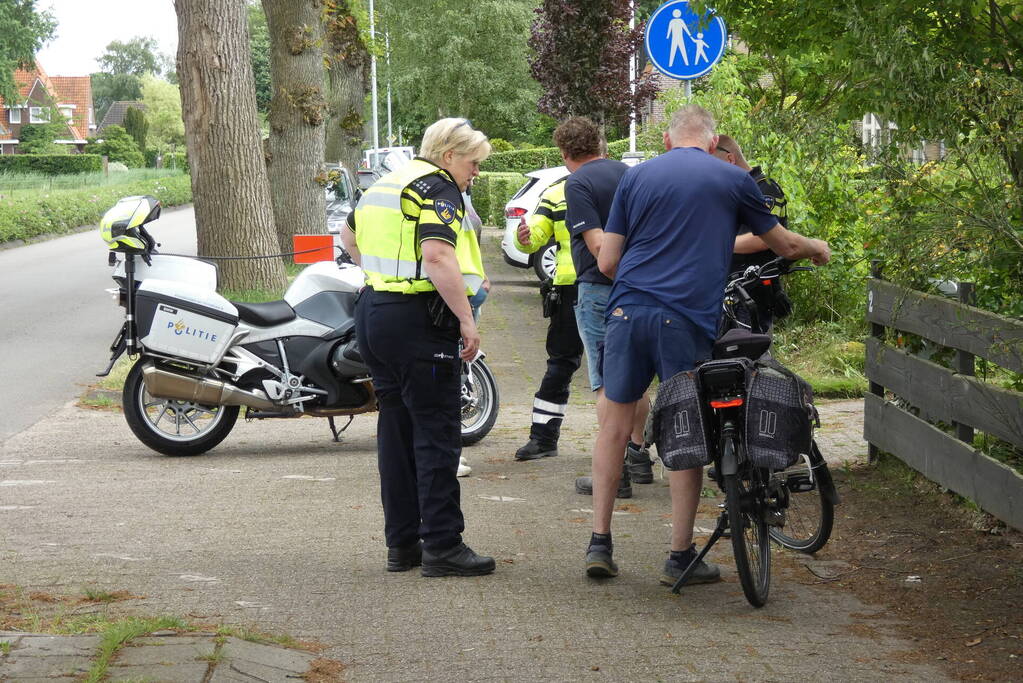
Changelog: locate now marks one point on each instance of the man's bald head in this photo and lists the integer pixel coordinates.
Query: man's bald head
(729, 150)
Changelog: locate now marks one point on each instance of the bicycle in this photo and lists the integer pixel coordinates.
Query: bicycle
(756, 497)
(809, 519)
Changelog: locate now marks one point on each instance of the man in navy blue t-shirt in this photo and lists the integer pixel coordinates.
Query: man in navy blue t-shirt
(667, 245)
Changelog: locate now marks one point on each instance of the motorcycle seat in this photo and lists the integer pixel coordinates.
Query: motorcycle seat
(266, 314)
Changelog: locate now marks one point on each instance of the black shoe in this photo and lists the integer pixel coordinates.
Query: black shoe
(403, 558)
(457, 561)
(534, 450)
(599, 563)
(639, 464)
(703, 573)
(584, 485)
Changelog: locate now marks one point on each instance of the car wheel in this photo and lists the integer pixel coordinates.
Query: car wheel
(545, 262)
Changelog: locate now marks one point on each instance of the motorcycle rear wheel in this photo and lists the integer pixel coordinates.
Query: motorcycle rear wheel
(480, 402)
(177, 428)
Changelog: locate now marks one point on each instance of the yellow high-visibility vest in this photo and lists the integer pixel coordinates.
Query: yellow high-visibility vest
(548, 220)
(386, 221)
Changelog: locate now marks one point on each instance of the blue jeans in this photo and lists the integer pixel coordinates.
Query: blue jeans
(476, 300)
(646, 340)
(590, 307)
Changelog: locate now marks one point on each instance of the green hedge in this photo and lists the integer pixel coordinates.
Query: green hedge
(526, 160)
(62, 211)
(51, 164)
(491, 191)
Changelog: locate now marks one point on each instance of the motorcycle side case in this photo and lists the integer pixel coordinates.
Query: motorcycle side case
(202, 274)
(184, 320)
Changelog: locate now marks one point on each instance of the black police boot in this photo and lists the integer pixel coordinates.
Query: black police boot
(460, 560)
(534, 450)
(403, 558)
(584, 485)
(639, 464)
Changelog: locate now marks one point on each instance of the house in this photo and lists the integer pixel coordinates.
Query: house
(38, 94)
(116, 113)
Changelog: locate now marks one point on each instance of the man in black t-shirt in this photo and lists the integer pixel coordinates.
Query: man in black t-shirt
(588, 195)
(771, 300)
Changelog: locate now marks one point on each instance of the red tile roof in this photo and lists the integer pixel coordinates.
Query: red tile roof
(76, 90)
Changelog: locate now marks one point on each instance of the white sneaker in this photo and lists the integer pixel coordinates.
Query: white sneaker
(463, 467)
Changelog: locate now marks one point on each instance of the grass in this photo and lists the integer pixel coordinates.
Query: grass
(28, 184)
(824, 356)
(5, 647)
(122, 631)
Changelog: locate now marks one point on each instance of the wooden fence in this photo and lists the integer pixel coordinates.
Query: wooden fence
(951, 396)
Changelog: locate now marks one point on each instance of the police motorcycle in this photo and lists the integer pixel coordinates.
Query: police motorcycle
(200, 358)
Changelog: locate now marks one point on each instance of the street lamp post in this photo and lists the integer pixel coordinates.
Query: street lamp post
(373, 79)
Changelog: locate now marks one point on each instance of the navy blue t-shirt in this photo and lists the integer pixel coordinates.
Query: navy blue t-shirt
(588, 195)
(679, 214)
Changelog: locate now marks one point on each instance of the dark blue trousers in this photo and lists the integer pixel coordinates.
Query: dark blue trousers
(416, 371)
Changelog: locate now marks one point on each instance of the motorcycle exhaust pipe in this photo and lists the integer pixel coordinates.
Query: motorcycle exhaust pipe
(165, 384)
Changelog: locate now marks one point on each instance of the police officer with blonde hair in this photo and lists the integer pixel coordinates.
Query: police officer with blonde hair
(421, 267)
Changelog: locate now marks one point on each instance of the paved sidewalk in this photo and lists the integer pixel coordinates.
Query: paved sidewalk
(164, 656)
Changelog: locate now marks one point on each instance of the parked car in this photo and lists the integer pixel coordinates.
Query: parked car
(373, 158)
(521, 206)
(342, 195)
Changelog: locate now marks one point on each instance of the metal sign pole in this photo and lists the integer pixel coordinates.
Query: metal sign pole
(632, 82)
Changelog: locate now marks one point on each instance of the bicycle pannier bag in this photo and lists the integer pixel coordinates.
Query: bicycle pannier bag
(779, 416)
(678, 423)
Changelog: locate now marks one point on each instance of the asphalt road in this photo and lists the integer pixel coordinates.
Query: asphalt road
(280, 529)
(57, 320)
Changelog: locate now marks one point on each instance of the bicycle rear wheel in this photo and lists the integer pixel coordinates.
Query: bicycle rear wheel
(745, 501)
(810, 515)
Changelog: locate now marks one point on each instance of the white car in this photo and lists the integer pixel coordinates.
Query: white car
(521, 206)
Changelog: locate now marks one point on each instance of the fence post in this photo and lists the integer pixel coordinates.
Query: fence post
(965, 364)
(877, 332)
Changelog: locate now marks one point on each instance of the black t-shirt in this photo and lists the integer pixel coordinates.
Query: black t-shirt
(588, 195)
(776, 203)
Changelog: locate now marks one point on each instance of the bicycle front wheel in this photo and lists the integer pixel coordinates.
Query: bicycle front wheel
(745, 502)
(810, 515)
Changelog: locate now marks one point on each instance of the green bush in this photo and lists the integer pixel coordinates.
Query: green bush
(118, 145)
(526, 160)
(176, 160)
(51, 164)
(62, 211)
(150, 155)
(491, 191)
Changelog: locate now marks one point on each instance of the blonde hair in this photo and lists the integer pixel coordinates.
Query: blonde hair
(453, 135)
(691, 123)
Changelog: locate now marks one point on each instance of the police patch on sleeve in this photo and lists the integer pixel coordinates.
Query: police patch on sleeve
(445, 210)
(769, 202)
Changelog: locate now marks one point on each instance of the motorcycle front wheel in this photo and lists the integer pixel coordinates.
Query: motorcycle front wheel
(173, 427)
(480, 401)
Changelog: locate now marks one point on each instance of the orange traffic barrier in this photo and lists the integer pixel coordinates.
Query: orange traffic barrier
(323, 245)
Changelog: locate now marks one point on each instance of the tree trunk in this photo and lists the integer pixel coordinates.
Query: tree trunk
(218, 103)
(297, 111)
(346, 94)
(347, 69)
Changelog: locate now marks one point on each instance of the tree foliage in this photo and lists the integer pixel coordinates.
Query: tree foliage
(137, 57)
(110, 88)
(581, 59)
(259, 50)
(943, 70)
(163, 112)
(136, 126)
(23, 30)
(38, 138)
(451, 58)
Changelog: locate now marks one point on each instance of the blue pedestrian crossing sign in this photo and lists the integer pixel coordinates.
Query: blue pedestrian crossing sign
(681, 43)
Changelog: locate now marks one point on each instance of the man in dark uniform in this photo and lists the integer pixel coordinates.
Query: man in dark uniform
(421, 265)
(771, 300)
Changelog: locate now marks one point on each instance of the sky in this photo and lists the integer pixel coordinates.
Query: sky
(86, 27)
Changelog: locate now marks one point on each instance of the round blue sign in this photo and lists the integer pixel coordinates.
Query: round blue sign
(683, 45)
